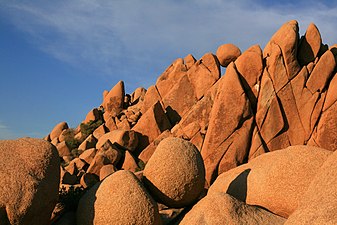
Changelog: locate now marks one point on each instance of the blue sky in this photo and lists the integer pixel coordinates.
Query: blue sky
(57, 57)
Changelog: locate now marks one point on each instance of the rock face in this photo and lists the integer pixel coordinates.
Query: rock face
(175, 173)
(119, 199)
(221, 208)
(319, 203)
(114, 100)
(276, 180)
(29, 186)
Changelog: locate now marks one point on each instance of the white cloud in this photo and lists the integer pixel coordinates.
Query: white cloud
(124, 36)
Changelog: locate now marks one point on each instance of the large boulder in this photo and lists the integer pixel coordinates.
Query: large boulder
(175, 173)
(275, 181)
(123, 138)
(29, 181)
(119, 199)
(319, 203)
(57, 130)
(221, 208)
(113, 101)
(227, 53)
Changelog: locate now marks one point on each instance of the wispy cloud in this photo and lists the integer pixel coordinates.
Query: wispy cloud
(5, 132)
(121, 37)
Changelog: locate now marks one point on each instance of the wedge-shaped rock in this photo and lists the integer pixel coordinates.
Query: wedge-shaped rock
(221, 208)
(179, 100)
(57, 130)
(93, 115)
(287, 39)
(151, 97)
(172, 74)
(204, 73)
(89, 142)
(230, 109)
(123, 138)
(310, 45)
(189, 61)
(275, 181)
(114, 100)
(151, 125)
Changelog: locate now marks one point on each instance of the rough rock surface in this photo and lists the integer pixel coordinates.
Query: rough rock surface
(29, 181)
(119, 199)
(179, 162)
(221, 208)
(275, 181)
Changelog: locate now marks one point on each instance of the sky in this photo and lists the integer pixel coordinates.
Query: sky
(57, 57)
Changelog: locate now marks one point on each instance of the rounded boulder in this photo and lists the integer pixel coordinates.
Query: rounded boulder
(227, 53)
(175, 174)
(119, 199)
(29, 181)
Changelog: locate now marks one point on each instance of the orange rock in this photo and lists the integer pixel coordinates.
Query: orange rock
(179, 99)
(129, 162)
(124, 138)
(57, 130)
(110, 124)
(93, 115)
(287, 39)
(29, 181)
(97, 163)
(100, 131)
(310, 45)
(89, 142)
(124, 125)
(275, 181)
(249, 65)
(88, 155)
(63, 149)
(111, 152)
(151, 125)
(113, 101)
(179, 162)
(189, 61)
(322, 72)
(204, 73)
(227, 53)
(231, 107)
(151, 97)
(106, 170)
(146, 154)
(171, 75)
(138, 95)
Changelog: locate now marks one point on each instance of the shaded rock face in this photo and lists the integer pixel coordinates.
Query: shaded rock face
(29, 186)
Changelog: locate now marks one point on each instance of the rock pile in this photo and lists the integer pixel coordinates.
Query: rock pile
(260, 138)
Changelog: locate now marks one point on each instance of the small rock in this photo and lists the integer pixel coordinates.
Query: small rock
(227, 53)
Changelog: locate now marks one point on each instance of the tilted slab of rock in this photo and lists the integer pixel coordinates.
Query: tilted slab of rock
(29, 181)
(113, 101)
(310, 45)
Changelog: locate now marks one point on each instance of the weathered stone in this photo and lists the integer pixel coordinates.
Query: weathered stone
(93, 115)
(63, 149)
(171, 75)
(287, 39)
(123, 125)
(89, 142)
(204, 73)
(88, 180)
(88, 155)
(138, 95)
(123, 193)
(110, 123)
(106, 170)
(309, 46)
(29, 181)
(179, 162)
(227, 53)
(231, 107)
(179, 100)
(57, 130)
(113, 101)
(322, 72)
(319, 203)
(111, 152)
(275, 181)
(125, 139)
(189, 61)
(151, 97)
(97, 163)
(129, 162)
(100, 131)
(221, 208)
(151, 125)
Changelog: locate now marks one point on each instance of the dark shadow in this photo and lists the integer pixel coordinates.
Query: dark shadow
(238, 187)
(3, 216)
(250, 94)
(143, 142)
(172, 115)
(305, 54)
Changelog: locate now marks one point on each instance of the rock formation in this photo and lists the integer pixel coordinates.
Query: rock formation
(260, 138)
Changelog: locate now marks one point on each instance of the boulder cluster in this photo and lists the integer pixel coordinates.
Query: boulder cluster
(253, 146)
